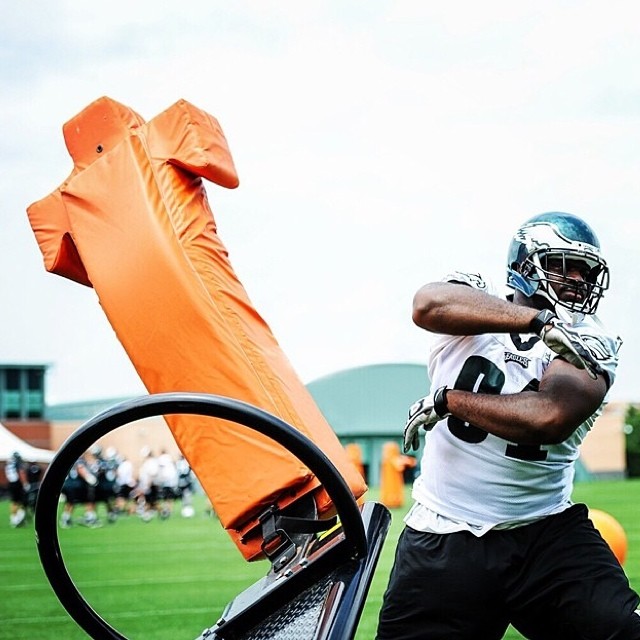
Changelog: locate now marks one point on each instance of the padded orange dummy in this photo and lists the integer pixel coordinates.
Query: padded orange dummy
(133, 221)
(354, 452)
(392, 475)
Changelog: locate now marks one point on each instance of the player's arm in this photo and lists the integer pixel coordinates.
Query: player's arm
(86, 475)
(458, 309)
(567, 396)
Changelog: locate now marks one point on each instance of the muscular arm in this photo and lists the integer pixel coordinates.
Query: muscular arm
(457, 309)
(566, 398)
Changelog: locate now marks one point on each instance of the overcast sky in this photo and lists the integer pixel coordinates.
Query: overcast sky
(379, 145)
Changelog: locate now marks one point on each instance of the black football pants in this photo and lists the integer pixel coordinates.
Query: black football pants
(555, 579)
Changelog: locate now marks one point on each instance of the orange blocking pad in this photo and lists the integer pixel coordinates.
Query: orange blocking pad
(133, 221)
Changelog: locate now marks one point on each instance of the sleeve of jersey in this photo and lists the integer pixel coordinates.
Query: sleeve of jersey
(474, 280)
(438, 342)
(604, 348)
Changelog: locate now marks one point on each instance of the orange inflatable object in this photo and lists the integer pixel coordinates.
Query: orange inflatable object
(354, 452)
(133, 221)
(392, 475)
(612, 532)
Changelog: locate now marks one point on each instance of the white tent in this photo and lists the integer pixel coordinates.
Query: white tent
(9, 443)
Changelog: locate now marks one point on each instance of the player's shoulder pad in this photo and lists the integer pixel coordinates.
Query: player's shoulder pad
(474, 280)
(604, 345)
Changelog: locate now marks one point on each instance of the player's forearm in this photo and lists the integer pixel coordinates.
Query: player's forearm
(456, 309)
(528, 417)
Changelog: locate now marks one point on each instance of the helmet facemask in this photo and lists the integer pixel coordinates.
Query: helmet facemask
(557, 256)
(548, 271)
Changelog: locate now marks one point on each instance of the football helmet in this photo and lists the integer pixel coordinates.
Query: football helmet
(562, 240)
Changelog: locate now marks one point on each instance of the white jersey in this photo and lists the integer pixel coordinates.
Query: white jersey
(472, 480)
(167, 472)
(147, 476)
(12, 470)
(124, 474)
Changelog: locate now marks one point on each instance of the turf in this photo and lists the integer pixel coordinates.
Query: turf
(171, 579)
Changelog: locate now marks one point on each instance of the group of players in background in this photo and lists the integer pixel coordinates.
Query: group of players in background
(23, 480)
(109, 479)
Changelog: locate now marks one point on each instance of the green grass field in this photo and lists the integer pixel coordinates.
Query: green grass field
(171, 579)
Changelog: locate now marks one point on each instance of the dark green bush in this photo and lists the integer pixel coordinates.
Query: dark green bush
(632, 441)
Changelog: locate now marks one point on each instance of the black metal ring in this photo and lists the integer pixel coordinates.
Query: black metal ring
(46, 516)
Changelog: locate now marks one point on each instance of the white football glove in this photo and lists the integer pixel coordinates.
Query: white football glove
(566, 342)
(422, 413)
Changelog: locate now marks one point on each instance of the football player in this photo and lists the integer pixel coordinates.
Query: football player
(493, 537)
(78, 488)
(16, 473)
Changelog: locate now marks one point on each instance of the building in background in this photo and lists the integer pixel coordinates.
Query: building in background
(22, 402)
(368, 406)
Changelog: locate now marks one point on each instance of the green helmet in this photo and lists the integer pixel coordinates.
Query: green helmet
(563, 237)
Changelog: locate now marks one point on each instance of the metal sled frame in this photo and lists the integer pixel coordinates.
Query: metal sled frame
(318, 594)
